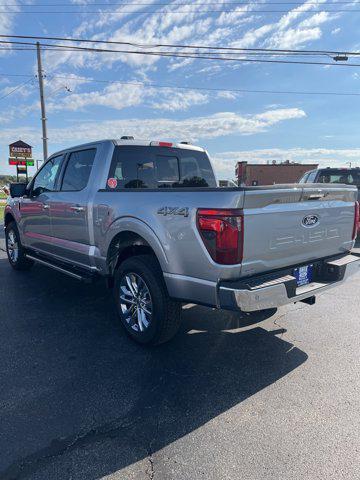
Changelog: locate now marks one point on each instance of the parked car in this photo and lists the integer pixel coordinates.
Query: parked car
(149, 217)
(346, 176)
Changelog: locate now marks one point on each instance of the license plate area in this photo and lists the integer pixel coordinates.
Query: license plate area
(304, 275)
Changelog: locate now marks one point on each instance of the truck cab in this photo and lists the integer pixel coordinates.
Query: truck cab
(345, 176)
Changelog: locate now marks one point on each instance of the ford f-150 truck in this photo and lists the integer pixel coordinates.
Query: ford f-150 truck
(347, 176)
(150, 218)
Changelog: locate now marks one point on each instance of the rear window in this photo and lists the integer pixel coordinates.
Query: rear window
(349, 177)
(159, 167)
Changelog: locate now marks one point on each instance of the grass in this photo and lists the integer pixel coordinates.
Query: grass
(2, 208)
(3, 195)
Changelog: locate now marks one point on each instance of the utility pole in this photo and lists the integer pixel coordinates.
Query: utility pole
(42, 102)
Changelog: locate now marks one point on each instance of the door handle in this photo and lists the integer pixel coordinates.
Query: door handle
(46, 206)
(77, 209)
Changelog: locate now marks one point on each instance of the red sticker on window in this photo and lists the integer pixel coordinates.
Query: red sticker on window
(112, 183)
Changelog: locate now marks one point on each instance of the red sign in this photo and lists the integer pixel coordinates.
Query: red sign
(15, 161)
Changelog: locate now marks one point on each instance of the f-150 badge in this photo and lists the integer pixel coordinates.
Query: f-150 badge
(184, 211)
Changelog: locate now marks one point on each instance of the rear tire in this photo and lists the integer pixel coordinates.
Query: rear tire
(145, 309)
(15, 251)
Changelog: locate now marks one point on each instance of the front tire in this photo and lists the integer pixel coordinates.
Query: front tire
(15, 251)
(147, 313)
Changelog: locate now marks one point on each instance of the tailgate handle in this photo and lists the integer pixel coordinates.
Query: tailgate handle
(316, 196)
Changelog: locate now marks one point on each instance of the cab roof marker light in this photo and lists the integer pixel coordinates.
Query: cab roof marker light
(162, 144)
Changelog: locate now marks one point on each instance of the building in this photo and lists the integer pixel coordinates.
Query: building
(252, 174)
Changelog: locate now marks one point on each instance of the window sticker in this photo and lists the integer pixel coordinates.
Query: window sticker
(112, 183)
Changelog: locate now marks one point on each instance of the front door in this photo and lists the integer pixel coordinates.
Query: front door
(35, 208)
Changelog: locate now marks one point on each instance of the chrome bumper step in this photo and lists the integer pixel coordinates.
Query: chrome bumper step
(265, 292)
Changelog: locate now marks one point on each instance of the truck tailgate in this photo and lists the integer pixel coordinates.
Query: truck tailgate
(289, 225)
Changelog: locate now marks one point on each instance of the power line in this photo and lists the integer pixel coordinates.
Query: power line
(172, 4)
(14, 75)
(210, 89)
(192, 55)
(172, 45)
(167, 12)
(16, 88)
(70, 48)
(180, 87)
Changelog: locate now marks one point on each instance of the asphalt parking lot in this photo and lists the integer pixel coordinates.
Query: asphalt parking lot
(274, 395)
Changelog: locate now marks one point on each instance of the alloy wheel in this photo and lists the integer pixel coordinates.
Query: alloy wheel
(135, 302)
(12, 246)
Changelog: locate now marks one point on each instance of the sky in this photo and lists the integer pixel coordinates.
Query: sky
(84, 103)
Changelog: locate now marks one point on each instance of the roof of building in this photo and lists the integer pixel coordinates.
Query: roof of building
(21, 144)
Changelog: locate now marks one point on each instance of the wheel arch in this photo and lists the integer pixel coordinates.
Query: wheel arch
(126, 244)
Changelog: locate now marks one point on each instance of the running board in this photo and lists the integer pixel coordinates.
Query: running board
(78, 276)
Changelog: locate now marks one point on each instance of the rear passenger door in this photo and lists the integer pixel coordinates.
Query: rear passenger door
(69, 209)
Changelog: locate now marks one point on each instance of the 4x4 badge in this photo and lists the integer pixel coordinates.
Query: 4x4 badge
(184, 211)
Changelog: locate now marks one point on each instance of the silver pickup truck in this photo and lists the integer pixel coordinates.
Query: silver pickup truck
(149, 217)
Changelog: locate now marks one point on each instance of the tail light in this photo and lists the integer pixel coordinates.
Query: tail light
(356, 220)
(222, 231)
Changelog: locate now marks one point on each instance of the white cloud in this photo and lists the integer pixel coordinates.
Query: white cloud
(288, 35)
(315, 20)
(119, 96)
(7, 22)
(336, 31)
(293, 37)
(233, 17)
(297, 12)
(278, 115)
(193, 128)
(252, 36)
(114, 96)
(227, 95)
(174, 100)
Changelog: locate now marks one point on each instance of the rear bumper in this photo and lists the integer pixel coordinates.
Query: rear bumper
(277, 289)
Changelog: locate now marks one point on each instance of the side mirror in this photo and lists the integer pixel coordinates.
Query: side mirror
(18, 189)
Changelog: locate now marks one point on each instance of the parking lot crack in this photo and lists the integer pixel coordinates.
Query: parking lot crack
(150, 470)
(283, 330)
(150, 453)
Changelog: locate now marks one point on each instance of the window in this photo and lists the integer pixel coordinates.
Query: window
(311, 177)
(340, 176)
(78, 169)
(131, 167)
(195, 170)
(167, 170)
(46, 178)
(304, 178)
(159, 167)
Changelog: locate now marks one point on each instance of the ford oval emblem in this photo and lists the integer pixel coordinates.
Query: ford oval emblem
(310, 220)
